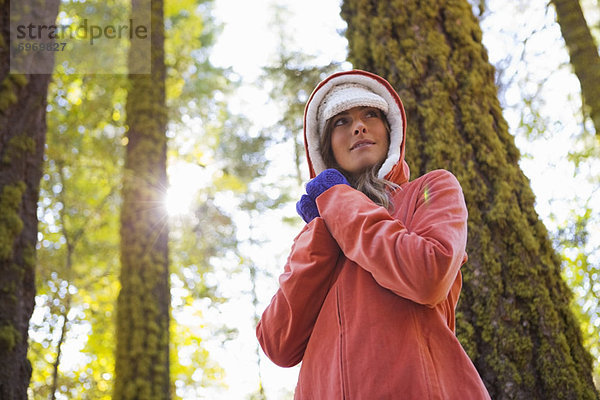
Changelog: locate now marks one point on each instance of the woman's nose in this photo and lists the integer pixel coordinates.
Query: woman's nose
(359, 127)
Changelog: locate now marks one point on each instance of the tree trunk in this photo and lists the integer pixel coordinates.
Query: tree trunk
(142, 356)
(22, 138)
(584, 54)
(71, 241)
(59, 346)
(513, 317)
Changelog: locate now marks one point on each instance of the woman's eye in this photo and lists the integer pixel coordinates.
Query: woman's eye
(339, 122)
(372, 113)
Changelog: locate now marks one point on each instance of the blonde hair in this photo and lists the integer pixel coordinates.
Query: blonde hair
(373, 187)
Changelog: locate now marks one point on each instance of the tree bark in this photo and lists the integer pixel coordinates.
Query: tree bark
(142, 356)
(22, 138)
(513, 318)
(583, 53)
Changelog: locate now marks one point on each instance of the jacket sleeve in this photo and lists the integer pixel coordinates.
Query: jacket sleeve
(419, 263)
(287, 323)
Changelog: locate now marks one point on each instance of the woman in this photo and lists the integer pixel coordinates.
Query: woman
(368, 293)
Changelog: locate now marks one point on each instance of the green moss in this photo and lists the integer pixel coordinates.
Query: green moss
(20, 80)
(18, 146)
(8, 89)
(8, 96)
(9, 337)
(465, 332)
(21, 143)
(10, 221)
(29, 257)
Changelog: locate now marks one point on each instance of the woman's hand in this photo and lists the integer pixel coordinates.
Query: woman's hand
(325, 180)
(306, 207)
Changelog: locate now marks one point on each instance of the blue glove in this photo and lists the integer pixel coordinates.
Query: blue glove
(307, 208)
(326, 179)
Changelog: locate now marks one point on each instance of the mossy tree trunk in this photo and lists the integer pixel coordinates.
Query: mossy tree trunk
(583, 53)
(142, 356)
(513, 318)
(22, 138)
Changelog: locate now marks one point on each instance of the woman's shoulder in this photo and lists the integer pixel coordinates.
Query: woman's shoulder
(436, 181)
(435, 177)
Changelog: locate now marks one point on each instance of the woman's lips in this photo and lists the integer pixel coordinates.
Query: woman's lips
(361, 143)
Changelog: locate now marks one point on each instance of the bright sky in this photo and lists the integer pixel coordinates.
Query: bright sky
(247, 43)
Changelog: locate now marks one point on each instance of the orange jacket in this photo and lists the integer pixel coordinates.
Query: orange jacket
(367, 297)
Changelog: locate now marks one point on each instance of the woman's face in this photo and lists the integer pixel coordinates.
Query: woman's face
(359, 139)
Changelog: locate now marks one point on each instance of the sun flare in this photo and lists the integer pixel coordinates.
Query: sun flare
(183, 187)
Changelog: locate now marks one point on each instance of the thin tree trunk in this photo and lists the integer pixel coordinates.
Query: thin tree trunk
(583, 52)
(513, 318)
(71, 242)
(142, 356)
(22, 138)
(61, 341)
(260, 393)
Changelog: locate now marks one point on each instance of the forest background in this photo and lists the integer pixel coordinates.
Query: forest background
(238, 74)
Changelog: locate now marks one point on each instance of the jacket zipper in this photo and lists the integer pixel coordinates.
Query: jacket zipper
(341, 337)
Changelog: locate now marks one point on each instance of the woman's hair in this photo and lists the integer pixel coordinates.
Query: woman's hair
(367, 181)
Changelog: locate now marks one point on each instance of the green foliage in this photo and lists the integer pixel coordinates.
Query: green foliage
(582, 274)
(291, 80)
(192, 368)
(584, 57)
(81, 55)
(576, 240)
(78, 241)
(243, 154)
(192, 81)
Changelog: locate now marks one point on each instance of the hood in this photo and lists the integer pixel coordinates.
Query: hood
(394, 168)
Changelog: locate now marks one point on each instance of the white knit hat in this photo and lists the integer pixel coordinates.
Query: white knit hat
(344, 97)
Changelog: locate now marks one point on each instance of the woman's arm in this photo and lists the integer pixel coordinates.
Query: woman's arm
(287, 323)
(420, 263)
